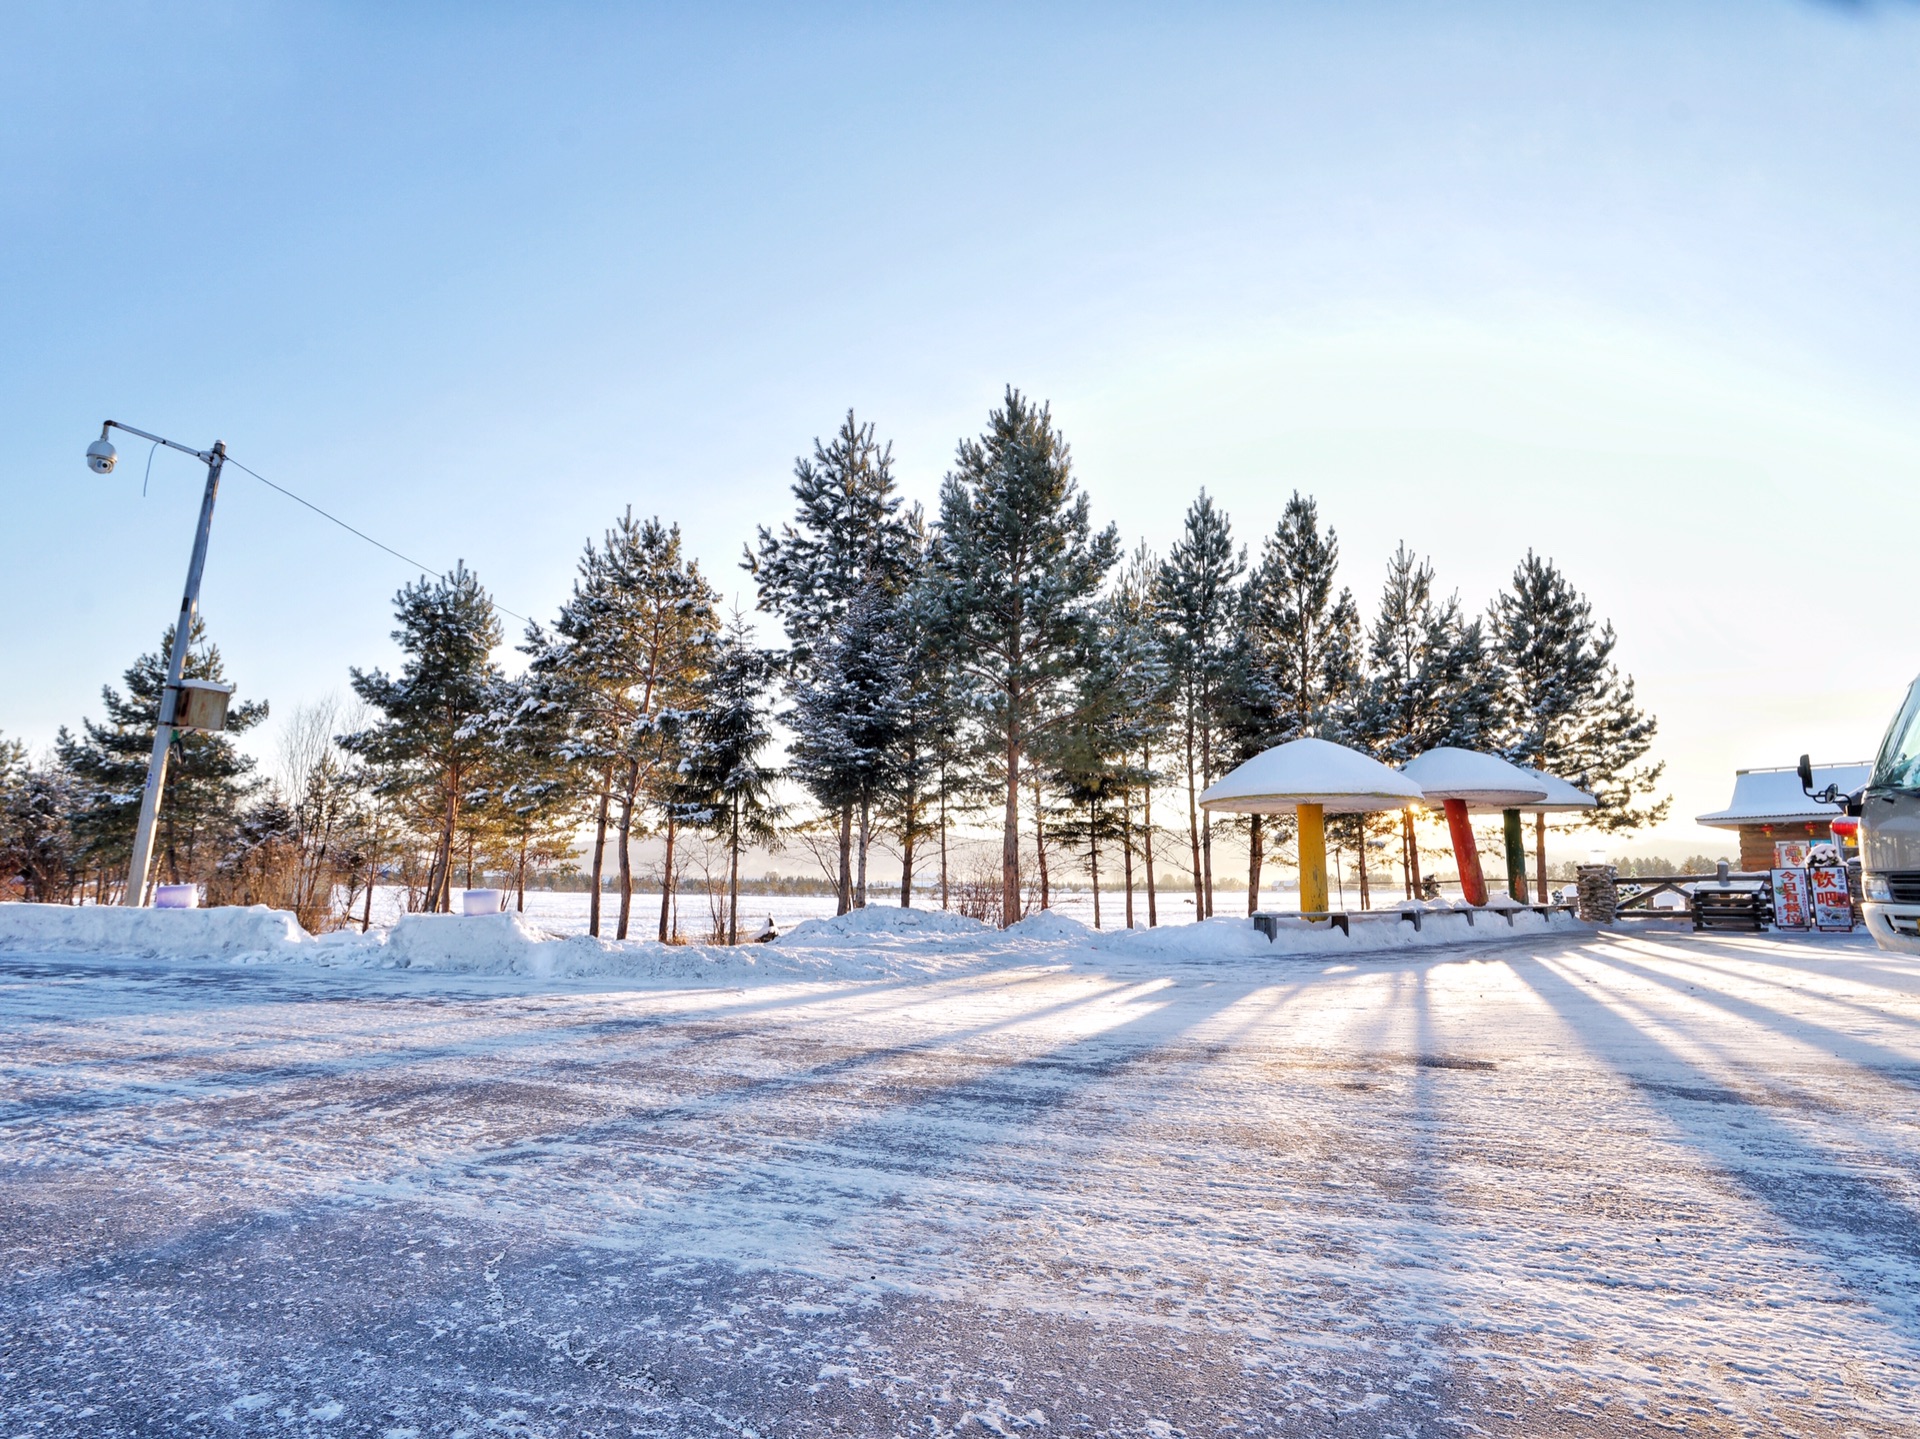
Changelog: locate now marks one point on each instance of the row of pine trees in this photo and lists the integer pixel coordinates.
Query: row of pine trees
(1000, 665)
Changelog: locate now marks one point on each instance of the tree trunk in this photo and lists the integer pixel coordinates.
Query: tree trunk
(1093, 860)
(1193, 827)
(1146, 824)
(366, 917)
(1010, 837)
(600, 852)
(520, 898)
(1126, 849)
(733, 880)
(629, 796)
(943, 837)
(1360, 824)
(666, 884)
(906, 862)
(1206, 819)
(1255, 856)
(1040, 844)
(1540, 856)
(845, 891)
(866, 838)
(1413, 851)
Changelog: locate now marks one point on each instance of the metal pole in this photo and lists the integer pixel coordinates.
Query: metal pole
(142, 865)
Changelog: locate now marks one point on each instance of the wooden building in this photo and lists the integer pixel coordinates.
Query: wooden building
(1769, 805)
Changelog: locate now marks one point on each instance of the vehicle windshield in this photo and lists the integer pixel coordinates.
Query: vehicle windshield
(1898, 766)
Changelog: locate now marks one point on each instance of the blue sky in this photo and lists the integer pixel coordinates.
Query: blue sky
(1629, 284)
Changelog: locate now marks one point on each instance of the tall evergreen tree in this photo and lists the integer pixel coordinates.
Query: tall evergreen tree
(853, 540)
(1429, 681)
(1013, 576)
(40, 857)
(1196, 597)
(631, 647)
(852, 710)
(1136, 643)
(1306, 635)
(721, 781)
(208, 778)
(431, 738)
(1564, 706)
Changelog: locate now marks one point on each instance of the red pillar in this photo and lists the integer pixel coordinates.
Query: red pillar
(1472, 883)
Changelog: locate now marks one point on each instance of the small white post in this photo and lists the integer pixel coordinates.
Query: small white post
(141, 867)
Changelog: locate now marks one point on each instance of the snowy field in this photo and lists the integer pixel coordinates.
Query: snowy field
(1563, 1183)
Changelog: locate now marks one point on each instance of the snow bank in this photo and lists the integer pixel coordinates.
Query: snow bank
(881, 921)
(1044, 924)
(230, 932)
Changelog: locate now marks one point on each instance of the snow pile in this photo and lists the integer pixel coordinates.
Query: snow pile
(1045, 925)
(885, 922)
(230, 932)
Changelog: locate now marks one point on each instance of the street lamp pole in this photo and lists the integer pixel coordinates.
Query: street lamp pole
(100, 456)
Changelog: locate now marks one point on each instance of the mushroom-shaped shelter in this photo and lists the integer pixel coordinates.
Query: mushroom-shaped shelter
(1463, 779)
(1315, 778)
(1562, 798)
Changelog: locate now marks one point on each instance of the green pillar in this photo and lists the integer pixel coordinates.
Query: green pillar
(1516, 856)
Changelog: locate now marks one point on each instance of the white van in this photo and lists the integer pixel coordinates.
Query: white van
(1889, 810)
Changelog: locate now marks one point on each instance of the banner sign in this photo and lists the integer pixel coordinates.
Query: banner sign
(1792, 906)
(1832, 905)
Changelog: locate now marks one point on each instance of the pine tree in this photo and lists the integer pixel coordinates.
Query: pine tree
(1013, 576)
(630, 649)
(1306, 636)
(1564, 706)
(852, 708)
(1136, 643)
(1429, 682)
(40, 856)
(721, 782)
(431, 738)
(1196, 596)
(853, 536)
(208, 778)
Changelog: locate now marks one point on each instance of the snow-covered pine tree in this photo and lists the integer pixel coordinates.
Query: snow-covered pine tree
(1196, 595)
(1013, 577)
(852, 710)
(1135, 638)
(721, 783)
(430, 738)
(538, 785)
(40, 857)
(1429, 681)
(853, 535)
(208, 778)
(1564, 706)
(1250, 716)
(1302, 635)
(630, 649)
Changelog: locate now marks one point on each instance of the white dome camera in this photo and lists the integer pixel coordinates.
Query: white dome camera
(100, 456)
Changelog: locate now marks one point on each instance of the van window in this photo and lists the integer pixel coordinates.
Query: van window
(1898, 766)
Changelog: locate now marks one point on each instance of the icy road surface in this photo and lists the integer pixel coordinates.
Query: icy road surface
(1607, 1185)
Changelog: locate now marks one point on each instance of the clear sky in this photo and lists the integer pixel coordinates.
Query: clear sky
(1631, 284)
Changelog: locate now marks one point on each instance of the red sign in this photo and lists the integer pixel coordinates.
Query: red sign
(1832, 905)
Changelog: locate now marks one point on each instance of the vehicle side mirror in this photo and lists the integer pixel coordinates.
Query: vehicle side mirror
(1856, 804)
(1806, 773)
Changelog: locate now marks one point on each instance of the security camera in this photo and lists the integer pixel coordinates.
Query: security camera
(100, 456)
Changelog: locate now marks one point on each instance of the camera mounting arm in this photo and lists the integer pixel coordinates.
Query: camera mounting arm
(203, 456)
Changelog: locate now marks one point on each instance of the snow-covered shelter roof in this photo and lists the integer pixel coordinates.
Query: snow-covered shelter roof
(1562, 798)
(1774, 796)
(1479, 779)
(1311, 771)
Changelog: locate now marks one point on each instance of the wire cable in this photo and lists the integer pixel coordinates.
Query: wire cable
(361, 534)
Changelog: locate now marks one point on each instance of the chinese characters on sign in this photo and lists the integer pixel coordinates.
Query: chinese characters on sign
(1791, 904)
(1832, 906)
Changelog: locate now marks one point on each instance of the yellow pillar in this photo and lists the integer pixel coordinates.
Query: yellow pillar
(1313, 858)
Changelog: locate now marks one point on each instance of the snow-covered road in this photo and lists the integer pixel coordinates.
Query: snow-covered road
(1627, 1184)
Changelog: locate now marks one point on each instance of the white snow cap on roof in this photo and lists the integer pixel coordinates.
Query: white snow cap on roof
(1774, 796)
(1561, 796)
(1311, 771)
(1479, 779)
